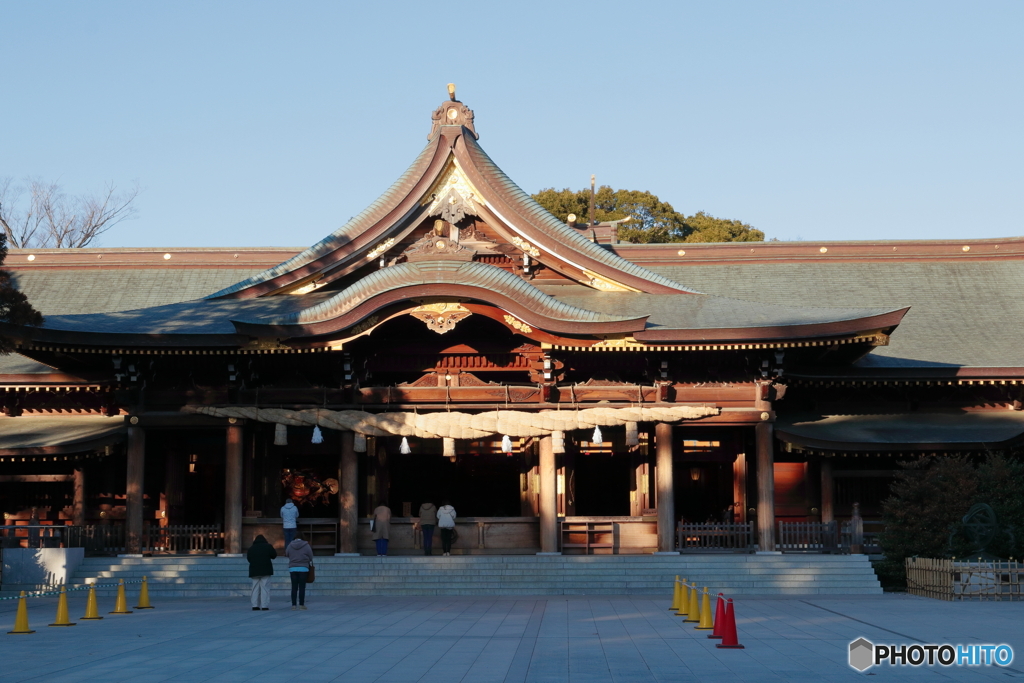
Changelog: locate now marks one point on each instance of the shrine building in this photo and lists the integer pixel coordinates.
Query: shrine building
(566, 391)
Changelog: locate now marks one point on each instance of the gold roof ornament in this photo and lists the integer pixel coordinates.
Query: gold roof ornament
(451, 91)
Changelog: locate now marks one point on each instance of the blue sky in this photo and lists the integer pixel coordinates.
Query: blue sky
(260, 123)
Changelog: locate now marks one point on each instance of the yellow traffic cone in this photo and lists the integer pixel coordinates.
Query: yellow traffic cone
(62, 610)
(92, 612)
(21, 620)
(144, 596)
(693, 614)
(684, 599)
(675, 596)
(121, 605)
(707, 622)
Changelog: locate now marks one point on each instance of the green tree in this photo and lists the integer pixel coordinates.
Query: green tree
(651, 219)
(14, 306)
(930, 498)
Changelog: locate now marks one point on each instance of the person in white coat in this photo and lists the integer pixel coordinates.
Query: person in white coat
(290, 520)
(446, 522)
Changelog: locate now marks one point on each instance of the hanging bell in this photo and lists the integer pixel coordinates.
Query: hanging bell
(632, 434)
(318, 436)
(280, 435)
(558, 442)
(597, 438)
(359, 443)
(448, 446)
(506, 444)
(404, 448)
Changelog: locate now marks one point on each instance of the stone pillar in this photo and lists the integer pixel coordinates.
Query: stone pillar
(78, 501)
(348, 496)
(827, 488)
(763, 437)
(133, 489)
(548, 498)
(665, 488)
(233, 491)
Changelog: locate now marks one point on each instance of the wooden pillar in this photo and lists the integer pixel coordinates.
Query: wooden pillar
(78, 501)
(348, 497)
(827, 488)
(764, 435)
(739, 487)
(233, 491)
(666, 490)
(548, 498)
(133, 489)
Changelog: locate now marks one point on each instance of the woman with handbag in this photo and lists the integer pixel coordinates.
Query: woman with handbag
(381, 526)
(446, 522)
(300, 565)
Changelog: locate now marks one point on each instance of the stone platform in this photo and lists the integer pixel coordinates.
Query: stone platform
(198, 576)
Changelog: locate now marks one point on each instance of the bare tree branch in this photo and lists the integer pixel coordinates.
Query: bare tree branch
(53, 219)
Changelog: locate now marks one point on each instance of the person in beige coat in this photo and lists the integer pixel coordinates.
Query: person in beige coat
(428, 520)
(381, 528)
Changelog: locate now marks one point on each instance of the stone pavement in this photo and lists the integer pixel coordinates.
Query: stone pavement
(474, 639)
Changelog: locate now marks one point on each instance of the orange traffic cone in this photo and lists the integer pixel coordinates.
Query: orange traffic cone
(719, 617)
(706, 624)
(62, 610)
(92, 612)
(21, 619)
(121, 604)
(693, 613)
(730, 640)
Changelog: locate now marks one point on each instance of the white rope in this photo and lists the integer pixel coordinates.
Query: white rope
(460, 425)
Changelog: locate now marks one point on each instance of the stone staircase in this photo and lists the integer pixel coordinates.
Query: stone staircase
(198, 576)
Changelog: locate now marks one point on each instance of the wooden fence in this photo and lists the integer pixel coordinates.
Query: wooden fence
(964, 580)
(715, 537)
(813, 537)
(175, 539)
(183, 539)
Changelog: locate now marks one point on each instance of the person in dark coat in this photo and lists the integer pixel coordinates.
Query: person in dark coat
(261, 568)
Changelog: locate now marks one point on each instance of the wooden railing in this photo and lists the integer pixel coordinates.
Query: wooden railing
(715, 537)
(960, 580)
(183, 539)
(34, 536)
(870, 536)
(812, 537)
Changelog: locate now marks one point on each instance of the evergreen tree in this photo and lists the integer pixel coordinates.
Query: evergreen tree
(14, 306)
(651, 219)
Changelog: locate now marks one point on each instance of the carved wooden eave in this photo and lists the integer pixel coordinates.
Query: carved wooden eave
(446, 280)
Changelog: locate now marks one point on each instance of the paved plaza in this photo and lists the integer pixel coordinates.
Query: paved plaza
(473, 639)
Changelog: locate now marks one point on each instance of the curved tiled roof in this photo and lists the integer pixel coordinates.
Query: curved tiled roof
(464, 273)
(351, 230)
(559, 233)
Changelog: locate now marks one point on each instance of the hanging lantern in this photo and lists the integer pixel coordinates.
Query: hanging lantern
(448, 448)
(318, 436)
(280, 435)
(597, 437)
(404, 448)
(506, 444)
(632, 434)
(558, 442)
(359, 443)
